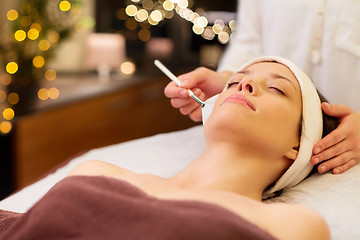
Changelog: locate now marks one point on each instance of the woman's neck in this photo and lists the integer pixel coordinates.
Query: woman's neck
(224, 167)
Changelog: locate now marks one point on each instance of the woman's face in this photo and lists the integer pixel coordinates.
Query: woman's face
(261, 106)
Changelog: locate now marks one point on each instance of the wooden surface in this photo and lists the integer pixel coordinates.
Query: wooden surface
(47, 137)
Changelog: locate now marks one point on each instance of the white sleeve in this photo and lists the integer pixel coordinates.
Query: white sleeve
(246, 42)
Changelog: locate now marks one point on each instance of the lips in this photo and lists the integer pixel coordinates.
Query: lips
(241, 99)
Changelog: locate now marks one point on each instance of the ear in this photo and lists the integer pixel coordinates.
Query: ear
(292, 154)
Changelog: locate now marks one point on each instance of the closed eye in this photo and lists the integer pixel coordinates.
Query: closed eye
(277, 90)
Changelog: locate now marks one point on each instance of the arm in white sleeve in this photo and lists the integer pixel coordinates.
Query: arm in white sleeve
(246, 42)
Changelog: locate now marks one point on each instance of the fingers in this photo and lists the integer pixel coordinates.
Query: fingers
(330, 153)
(336, 110)
(173, 91)
(335, 137)
(345, 167)
(338, 164)
(196, 115)
(187, 106)
(194, 78)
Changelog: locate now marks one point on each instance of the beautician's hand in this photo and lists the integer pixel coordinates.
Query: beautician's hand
(204, 82)
(339, 150)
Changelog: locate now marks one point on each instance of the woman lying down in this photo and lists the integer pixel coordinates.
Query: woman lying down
(259, 139)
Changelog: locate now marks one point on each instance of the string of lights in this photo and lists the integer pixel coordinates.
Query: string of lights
(154, 12)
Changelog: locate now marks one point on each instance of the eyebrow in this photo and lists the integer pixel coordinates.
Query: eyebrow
(274, 76)
(278, 76)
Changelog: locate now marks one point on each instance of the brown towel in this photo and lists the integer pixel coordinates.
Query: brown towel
(82, 207)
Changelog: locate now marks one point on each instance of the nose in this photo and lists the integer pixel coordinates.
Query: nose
(247, 85)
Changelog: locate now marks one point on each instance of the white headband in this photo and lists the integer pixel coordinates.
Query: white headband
(312, 125)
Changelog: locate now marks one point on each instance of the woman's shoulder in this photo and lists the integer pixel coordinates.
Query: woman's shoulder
(96, 167)
(290, 220)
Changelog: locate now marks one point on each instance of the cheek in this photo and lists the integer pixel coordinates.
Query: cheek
(285, 120)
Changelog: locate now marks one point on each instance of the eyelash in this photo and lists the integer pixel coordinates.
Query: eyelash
(278, 90)
(231, 84)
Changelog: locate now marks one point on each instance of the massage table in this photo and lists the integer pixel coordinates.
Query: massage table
(336, 197)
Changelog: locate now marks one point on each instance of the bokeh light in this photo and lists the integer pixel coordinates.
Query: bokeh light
(36, 26)
(12, 15)
(141, 15)
(43, 94)
(5, 79)
(8, 114)
(53, 37)
(168, 5)
(131, 10)
(13, 98)
(20, 35)
(156, 16)
(38, 61)
(144, 35)
(65, 6)
(25, 21)
(33, 34)
(127, 68)
(44, 45)
(12, 67)
(54, 93)
(5, 127)
(50, 75)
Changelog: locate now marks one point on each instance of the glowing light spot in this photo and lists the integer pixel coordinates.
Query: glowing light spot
(131, 10)
(8, 114)
(152, 22)
(169, 15)
(168, 5)
(53, 37)
(127, 68)
(156, 16)
(12, 15)
(33, 34)
(50, 75)
(131, 24)
(54, 93)
(5, 127)
(2, 96)
(232, 24)
(43, 94)
(148, 4)
(5, 79)
(44, 45)
(223, 37)
(208, 34)
(65, 6)
(144, 35)
(25, 21)
(217, 28)
(135, 1)
(12, 67)
(183, 3)
(197, 30)
(13, 98)
(36, 26)
(201, 22)
(38, 61)
(20, 35)
(141, 15)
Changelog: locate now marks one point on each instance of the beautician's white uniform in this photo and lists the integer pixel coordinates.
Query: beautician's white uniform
(321, 36)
